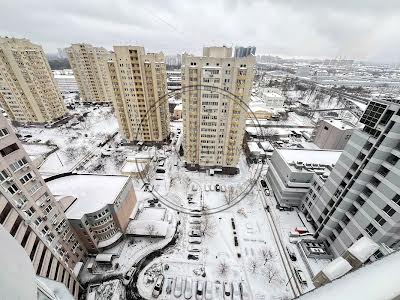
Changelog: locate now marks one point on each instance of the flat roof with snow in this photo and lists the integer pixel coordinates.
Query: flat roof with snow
(340, 124)
(310, 156)
(363, 248)
(338, 267)
(93, 192)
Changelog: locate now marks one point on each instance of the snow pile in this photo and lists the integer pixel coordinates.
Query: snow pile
(363, 249)
(337, 268)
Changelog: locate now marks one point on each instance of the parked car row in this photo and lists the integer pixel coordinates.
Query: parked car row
(217, 188)
(194, 237)
(204, 290)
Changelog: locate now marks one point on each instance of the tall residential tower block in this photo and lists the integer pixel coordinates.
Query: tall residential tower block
(90, 70)
(216, 91)
(139, 82)
(28, 92)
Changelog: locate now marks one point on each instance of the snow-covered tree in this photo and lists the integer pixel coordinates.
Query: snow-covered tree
(253, 266)
(267, 255)
(230, 194)
(223, 269)
(271, 273)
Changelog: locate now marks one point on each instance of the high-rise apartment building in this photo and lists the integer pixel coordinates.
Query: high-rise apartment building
(30, 213)
(213, 120)
(139, 82)
(90, 70)
(28, 92)
(244, 51)
(361, 197)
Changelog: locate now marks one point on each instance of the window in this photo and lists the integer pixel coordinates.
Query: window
(18, 164)
(45, 230)
(3, 132)
(9, 149)
(389, 210)
(48, 209)
(380, 220)
(38, 221)
(371, 230)
(396, 199)
(3, 175)
(30, 211)
(13, 189)
(24, 179)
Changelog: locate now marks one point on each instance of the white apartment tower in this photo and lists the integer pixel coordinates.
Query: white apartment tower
(31, 214)
(216, 91)
(28, 92)
(90, 70)
(362, 194)
(139, 82)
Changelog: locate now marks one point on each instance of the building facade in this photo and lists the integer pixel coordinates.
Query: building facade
(215, 107)
(98, 207)
(28, 92)
(333, 134)
(361, 197)
(244, 51)
(89, 64)
(292, 173)
(66, 81)
(139, 82)
(272, 97)
(30, 213)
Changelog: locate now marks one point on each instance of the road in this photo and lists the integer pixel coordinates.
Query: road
(294, 284)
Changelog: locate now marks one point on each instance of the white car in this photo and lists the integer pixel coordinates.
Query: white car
(200, 290)
(209, 290)
(243, 291)
(227, 291)
(194, 248)
(195, 221)
(158, 286)
(188, 289)
(194, 240)
(206, 187)
(168, 286)
(236, 291)
(128, 276)
(223, 188)
(178, 287)
(194, 233)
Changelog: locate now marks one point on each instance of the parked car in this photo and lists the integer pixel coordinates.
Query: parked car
(291, 253)
(266, 192)
(209, 290)
(300, 276)
(263, 183)
(195, 240)
(158, 286)
(193, 257)
(194, 233)
(301, 230)
(235, 291)
(200, 290)
(168, 286)
(194, 248)
(178, 287)
(236, 241)
(217, 187)
(223, 188)
(227, 291)
(243, 291)
(195, 221)
(188, 289)
(160, 170)
(128, 276)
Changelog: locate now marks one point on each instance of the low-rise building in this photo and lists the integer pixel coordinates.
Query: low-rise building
(291, 172)
(333, 134)
(272, 97)
(97, 206)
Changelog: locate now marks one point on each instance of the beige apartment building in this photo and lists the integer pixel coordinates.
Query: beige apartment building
(213, 121)
(139, 82)
(28, 92)
(90, 70)
(30, 213)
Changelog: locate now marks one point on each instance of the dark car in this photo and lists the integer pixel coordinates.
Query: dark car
(263, 183)
(193, 257)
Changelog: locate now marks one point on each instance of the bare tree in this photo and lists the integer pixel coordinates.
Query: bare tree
(242, 212)
(271, 273)
(230, 194)
(150, 229)
(253, 266)
(267, 255)
(208, 226)
(223, 269)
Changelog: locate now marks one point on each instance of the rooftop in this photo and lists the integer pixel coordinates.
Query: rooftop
(92, 192)
(310, 156)
(337, 268)
(340, 124)
(363, 248)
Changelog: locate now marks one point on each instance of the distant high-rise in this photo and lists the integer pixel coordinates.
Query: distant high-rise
(31, 214)
(28, 92)
(214, 122)
(90, 70)
(139, 82)
(244, 51)
(362, 195)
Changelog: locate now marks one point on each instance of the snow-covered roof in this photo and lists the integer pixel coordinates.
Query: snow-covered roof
(110, 241)
(375, 281)
(340, 124)
(337, 268)
(147, 228)
(253, 147)
(58, 289)
(133, 167)
(93, 192)
(324, 157)
(267, 146)
(363, 248)
(178, 107)
(104, 257)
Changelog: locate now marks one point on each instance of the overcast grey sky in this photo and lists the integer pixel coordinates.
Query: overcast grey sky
(359, 29)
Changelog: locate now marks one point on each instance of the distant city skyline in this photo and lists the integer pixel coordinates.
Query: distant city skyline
(361, 30)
